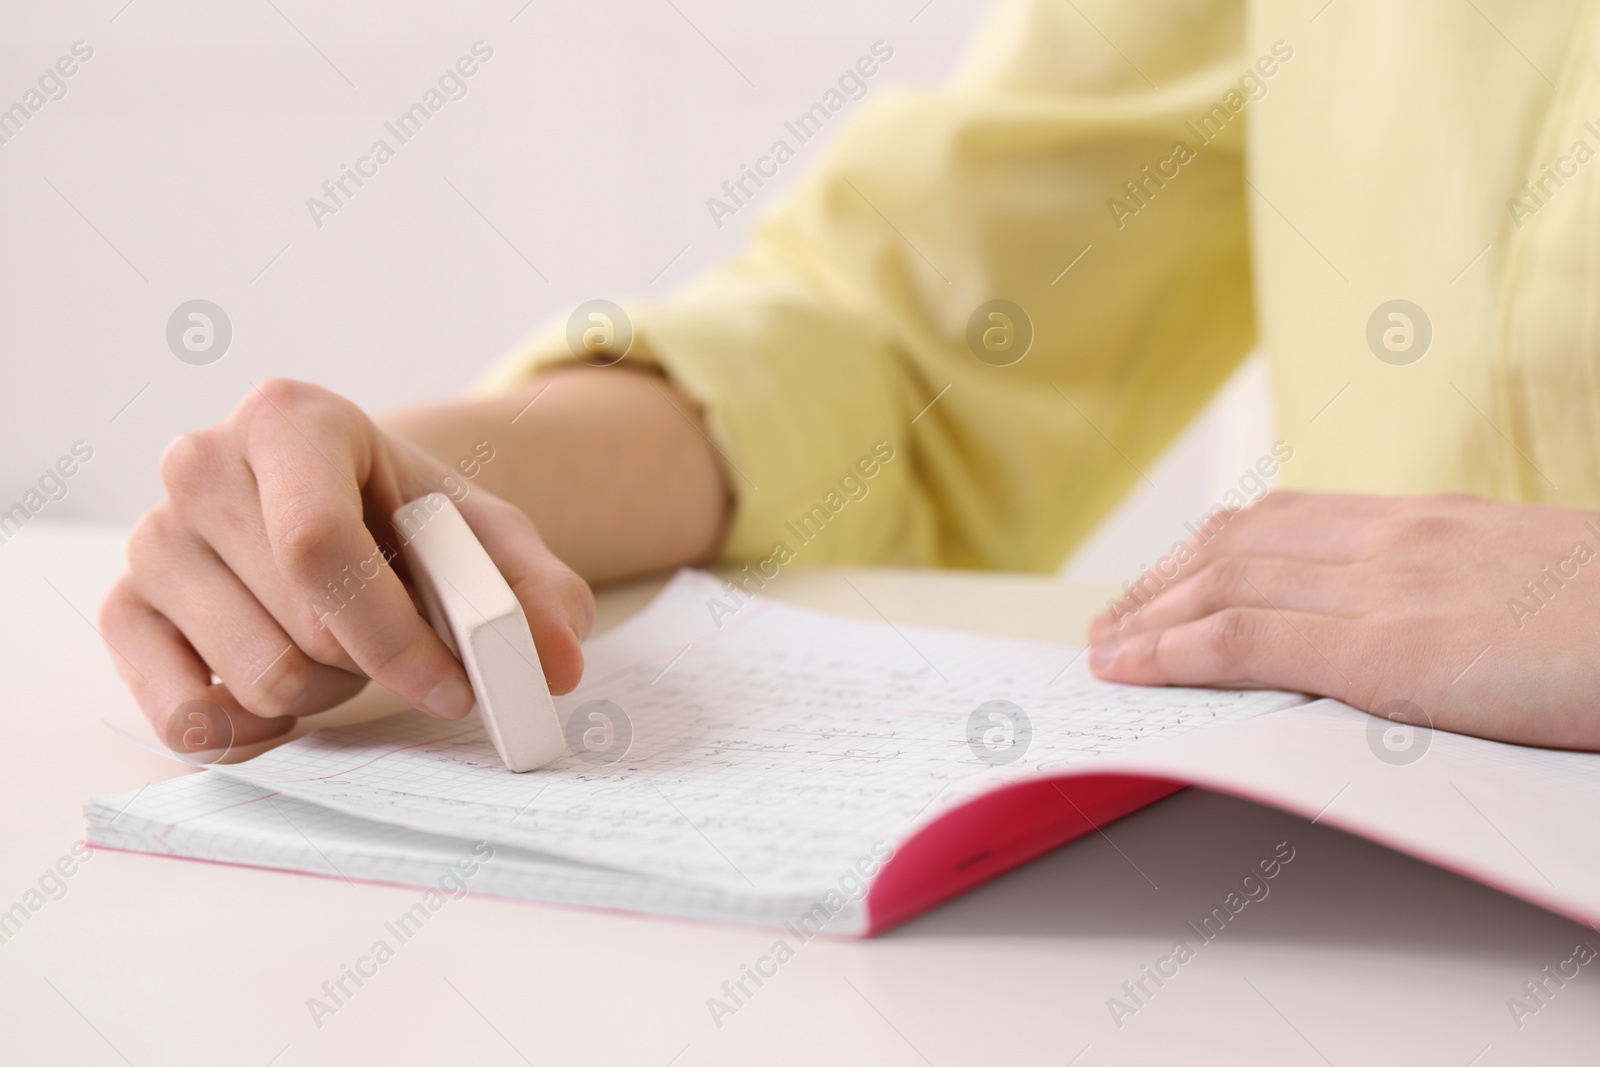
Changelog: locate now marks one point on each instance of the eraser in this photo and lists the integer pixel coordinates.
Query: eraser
(474, 611)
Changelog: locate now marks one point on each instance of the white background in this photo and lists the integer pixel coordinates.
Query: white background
(179, 163)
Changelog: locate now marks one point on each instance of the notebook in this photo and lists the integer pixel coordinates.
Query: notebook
(743, 760)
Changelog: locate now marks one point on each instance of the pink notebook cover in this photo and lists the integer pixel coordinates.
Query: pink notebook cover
(1525, 821)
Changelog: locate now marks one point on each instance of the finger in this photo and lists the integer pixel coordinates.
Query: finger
(558, 603)
(1302, 535)
(1236, 581)
(1367, 505)
(309, 471)
(215, 498)
(1331, 503)
(165, 674)
(264, 670)
(1237, 648)
(1293, 532)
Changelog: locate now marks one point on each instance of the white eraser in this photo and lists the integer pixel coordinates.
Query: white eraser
(475, 612)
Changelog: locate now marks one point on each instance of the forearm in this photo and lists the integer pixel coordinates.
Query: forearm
(611, 464)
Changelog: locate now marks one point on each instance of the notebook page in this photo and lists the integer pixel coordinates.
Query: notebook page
(768, 754)
(209, 816)
(1518, 818)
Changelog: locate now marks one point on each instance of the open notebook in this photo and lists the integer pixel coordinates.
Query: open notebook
(782, 766)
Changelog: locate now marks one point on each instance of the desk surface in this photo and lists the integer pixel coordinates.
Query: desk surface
(1358, 956)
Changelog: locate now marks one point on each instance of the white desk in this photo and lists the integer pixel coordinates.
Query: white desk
(1359, 956)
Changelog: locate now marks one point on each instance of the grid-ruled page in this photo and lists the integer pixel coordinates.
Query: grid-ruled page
(769, 753)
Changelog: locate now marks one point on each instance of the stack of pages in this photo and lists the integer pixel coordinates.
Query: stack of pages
(780, 765)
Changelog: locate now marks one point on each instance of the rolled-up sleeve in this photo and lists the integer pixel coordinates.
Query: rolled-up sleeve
(842, 340)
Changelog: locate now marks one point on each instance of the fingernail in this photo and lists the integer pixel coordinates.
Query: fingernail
(1100, 656)
(450, 699)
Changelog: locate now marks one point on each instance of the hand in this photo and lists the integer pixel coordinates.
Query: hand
(1481, 617)
(263, 566)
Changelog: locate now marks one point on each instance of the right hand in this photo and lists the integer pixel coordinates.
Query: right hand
(230, 574)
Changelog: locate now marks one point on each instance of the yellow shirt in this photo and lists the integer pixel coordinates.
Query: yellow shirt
(1154, 185)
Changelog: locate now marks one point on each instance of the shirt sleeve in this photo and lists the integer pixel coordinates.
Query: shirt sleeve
(871, 400)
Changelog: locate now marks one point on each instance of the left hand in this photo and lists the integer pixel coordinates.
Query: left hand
(1483, 615)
